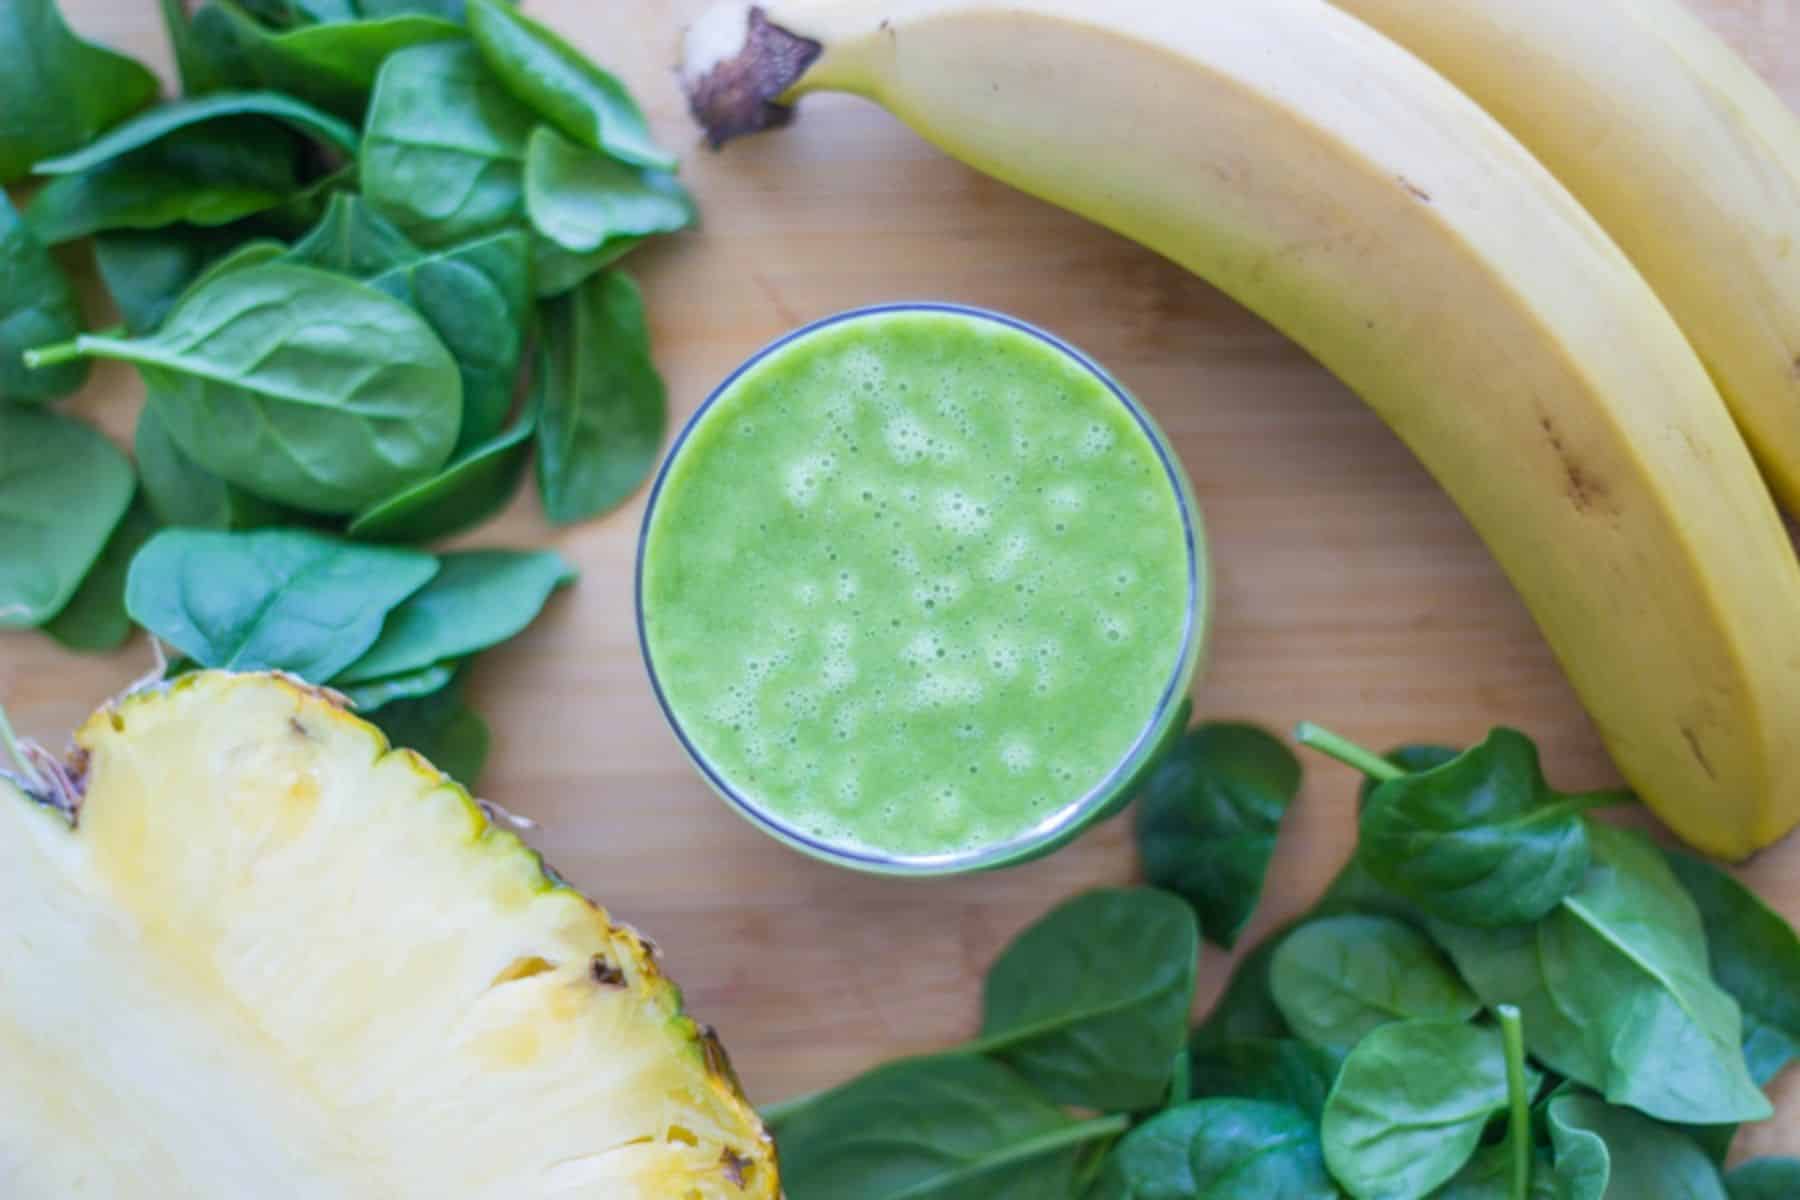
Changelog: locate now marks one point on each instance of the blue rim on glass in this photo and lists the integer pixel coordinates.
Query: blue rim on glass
(1072, 818)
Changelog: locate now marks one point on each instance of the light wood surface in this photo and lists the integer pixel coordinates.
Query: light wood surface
(1349, 591)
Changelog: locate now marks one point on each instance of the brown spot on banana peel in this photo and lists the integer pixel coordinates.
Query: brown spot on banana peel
(1415, 191)
(1586, 490)
(1698, 751)
(738, 95)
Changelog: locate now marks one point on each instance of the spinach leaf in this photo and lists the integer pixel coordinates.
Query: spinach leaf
(1181, 1080)
(465, 493)
(379, 693)
(1207, 820)
(255, 253)
(555, 270)
(297, 213)
(1411, 759)
(1090, 1004)
(444, 146)
(602, 411)
(1278, 1070)
(1247, 1009)
(353, 239)
(287, 14)
(94, 619)
(1409, 1107)
(1489, 1176)
(58, 91)
(272, 599)
(478, 599)
(562, 84)
(146, 271)
(193, 63)
(1337, 978)
(37, 305)
(332, 65)
(477, 298)
(321, 12)
(63, 489)
(1480, 840)
(211, 174)
(1611, 981)
(582, 201)
(167, 119)
(1714, 1140)
(1608, 1153)
(958, 1127)
(303, 387)
(1765, 1179)
(449, 10)
(183, 493)
(1220, 1150)
(1755, 956)
(1356, 891)
(442, 727)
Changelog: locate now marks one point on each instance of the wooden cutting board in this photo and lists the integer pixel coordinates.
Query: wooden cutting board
(1349, 591)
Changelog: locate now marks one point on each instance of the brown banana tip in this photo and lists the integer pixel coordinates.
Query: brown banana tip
(735, 93)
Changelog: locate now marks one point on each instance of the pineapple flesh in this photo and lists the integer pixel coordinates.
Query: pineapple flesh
(273, 958)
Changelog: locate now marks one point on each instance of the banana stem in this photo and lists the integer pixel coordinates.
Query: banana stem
(1318, 738)
(1512, 1033)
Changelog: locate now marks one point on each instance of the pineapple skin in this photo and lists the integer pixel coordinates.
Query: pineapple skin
(513, 879)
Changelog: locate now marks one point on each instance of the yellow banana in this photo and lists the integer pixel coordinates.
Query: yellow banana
(1676, 147)
(1341, 188)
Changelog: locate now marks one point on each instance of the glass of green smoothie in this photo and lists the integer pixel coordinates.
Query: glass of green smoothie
(922, 590)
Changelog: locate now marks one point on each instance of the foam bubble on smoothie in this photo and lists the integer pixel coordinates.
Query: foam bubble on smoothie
(1004, 657)
(945, 689)
(926, 649)
(866, 366)
(839, 672)
(939, 594)
(846, 720)
(806, 477)
(1115, 627)
(906, 439)
(1013, 550)
(1096, 440)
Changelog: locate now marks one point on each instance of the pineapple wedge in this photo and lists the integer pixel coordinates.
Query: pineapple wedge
(272, 958)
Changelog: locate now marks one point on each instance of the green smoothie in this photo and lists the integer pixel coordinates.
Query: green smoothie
(920, 584)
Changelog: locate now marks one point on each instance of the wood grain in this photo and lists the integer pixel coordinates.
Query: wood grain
(1349, 590)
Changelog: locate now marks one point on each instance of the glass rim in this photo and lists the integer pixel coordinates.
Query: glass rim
(1071, 816)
